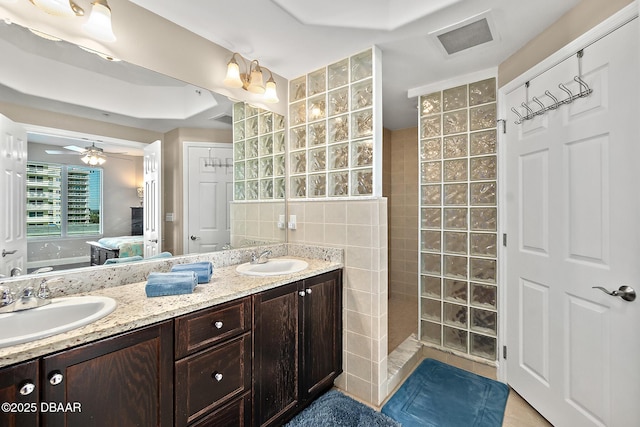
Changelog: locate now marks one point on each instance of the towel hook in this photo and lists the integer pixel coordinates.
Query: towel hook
(556, 104)
(529, 111)
(567, 91)
(520, 118)
(542, 107)
(584, 87)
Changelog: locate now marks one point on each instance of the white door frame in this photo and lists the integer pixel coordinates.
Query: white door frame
(615, 21)
(185, 182)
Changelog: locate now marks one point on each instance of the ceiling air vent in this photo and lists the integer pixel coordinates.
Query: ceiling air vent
(223, 118)
(472, 32)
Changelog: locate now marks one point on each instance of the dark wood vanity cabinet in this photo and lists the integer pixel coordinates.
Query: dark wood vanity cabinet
(19, 389)
(122, 380)
(213, 366)
(297, 331)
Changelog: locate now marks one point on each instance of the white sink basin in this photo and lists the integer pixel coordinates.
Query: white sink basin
(62, 315)
(273, 267)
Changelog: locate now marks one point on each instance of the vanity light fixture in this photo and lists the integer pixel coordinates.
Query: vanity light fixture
(98, 24)
(251, 79)
(93, 156)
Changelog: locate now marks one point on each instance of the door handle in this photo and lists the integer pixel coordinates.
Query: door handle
(625, 292)
(194, 238)
(153, 240)
(5, 252)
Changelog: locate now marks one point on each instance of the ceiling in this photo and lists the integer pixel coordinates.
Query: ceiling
(294, 37)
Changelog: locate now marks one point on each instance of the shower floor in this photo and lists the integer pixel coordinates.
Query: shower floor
(403, 320)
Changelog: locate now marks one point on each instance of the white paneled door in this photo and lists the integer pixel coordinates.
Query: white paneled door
(573, 221)
(152, 220)
(209, 173)
(13, 167)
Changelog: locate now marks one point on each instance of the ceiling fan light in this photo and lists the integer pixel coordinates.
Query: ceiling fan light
(271, 93)
(233, 75)
(99, 23)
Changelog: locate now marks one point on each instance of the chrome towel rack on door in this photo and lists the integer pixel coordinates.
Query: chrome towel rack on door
(585, 90)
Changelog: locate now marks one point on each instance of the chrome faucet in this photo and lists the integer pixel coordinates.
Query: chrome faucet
(260, 259)
(27, 299)
(15, 271)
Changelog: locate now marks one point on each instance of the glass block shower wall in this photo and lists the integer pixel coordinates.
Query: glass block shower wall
(458, 219)
(258, 154)
(333, 148)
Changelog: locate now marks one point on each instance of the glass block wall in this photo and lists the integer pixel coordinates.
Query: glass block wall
(332, 130)
(258, 153)
(458, 219)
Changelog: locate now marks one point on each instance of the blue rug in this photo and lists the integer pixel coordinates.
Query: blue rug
(334, 409)
(440, 395)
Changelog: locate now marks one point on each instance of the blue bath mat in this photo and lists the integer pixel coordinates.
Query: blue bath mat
(440, 395)
(334, 409)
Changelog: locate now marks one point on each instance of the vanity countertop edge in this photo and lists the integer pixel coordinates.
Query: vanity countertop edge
(134, 309)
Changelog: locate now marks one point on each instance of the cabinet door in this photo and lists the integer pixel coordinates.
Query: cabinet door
(123, 380)
(276, 352)
(19, 389)
(322, 333)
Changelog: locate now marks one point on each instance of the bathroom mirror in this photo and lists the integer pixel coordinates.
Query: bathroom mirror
(60, 122)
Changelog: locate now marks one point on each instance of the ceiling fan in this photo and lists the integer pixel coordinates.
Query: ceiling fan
(92, 155)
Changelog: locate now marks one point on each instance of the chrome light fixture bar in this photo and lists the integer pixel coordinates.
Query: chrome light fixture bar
(98, 24)
(93, 156)
(250, 79)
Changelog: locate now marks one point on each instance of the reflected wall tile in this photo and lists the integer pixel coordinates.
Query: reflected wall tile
(484, 168)
(430, 104)
(455, 170)
(431, 149)
(454, 122)
(298, 89)
(455, 146)
(482, 92)
(483, 117)
(483, 193)
(338, 74)
(454, 98)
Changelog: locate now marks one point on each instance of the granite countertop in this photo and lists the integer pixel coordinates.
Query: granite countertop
(135, 310)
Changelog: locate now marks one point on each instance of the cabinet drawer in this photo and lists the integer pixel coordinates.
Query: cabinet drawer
(206, 327)
(234, 414)
(211, 378)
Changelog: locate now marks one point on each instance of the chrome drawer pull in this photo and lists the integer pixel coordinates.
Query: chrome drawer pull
(217, 376)
(27, 388)
(218, 324)
(55, 378)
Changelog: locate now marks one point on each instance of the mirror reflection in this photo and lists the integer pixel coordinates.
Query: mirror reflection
(90, 122)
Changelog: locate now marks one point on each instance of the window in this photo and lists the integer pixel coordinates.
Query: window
(63, 201)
